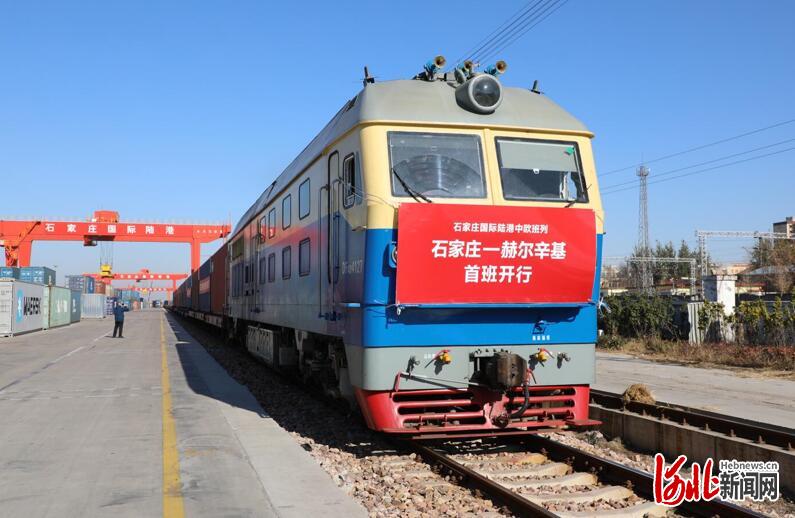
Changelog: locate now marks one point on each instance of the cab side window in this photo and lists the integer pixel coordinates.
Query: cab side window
(350, 189)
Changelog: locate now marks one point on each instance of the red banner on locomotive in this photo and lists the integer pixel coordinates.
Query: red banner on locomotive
(453, 254)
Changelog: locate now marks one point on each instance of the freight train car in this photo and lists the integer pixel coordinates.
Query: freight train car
(433, 256)
(203, 295)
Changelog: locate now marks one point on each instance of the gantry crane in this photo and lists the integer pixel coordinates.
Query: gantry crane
(18, 235)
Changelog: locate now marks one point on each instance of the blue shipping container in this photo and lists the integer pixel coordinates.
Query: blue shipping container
(38, 275)
(82, 283)
(76, 309)
(11, 272)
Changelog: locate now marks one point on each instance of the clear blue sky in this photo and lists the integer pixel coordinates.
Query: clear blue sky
(187, 110)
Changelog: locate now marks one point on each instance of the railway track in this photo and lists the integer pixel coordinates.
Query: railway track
(537, 476)
(530, 475)
(731, 426)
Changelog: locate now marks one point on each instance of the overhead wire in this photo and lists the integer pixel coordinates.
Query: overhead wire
(517, 25)
(719, 159)
(546, 13)
(511, 19)
(703, 146)
(703, 170)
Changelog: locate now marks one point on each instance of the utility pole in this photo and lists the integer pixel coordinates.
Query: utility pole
(646, 280)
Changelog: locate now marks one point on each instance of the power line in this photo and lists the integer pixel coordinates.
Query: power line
(549, 11)
(518, 25)
(478, 46)
(705, 170)
(690, 150)
(719, 159)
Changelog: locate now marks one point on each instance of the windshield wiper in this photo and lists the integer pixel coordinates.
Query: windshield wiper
(411, 192)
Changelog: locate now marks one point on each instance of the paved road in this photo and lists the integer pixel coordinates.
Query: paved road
(717, 390)
(85, 422)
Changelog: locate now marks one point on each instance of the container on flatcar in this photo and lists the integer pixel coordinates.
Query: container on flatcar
(194, 292)
(93, 305)
(60, 306)
(218, 281)
(76, 306)
(20, 307)
(205, 275)
(37, 275)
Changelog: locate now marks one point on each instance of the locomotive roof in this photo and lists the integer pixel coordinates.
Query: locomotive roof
(424, 102)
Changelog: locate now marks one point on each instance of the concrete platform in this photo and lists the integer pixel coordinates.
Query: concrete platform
(717, 390)
(96, 426)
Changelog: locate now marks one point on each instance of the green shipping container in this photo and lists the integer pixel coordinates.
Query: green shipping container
(60, 306)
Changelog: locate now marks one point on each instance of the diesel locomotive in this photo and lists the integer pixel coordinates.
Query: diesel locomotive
(431, 256)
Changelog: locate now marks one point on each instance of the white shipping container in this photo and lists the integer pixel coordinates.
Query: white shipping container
(93, 305)
(20, 307)
(45, 308)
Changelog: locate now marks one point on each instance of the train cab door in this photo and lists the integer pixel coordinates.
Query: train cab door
(330, 260)
(351, 236)
(254, 301)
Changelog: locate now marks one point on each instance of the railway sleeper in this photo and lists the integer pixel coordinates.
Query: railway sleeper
(572, 479)
(641, 510)
(550, 469)
(601, 493)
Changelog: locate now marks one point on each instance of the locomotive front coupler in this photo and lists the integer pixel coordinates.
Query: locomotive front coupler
(503, 371)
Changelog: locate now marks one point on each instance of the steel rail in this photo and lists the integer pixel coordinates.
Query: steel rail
(518, 505)
(608, 471)
(640, 482)
(728, 425)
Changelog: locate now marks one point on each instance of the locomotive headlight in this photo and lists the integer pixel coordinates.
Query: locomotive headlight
(480, 94)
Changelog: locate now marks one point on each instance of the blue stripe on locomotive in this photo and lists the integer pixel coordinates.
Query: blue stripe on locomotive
(377, 324)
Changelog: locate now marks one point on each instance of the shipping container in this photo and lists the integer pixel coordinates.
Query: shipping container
(45, 308)
(93, 305)
(109, 302)
(194, 292)
(60, 306)
(218, 281)
(38, 275)
(20, 307)
(99, 287)
(205, 275)
(77, 306)
(82, 283)
(9, 272)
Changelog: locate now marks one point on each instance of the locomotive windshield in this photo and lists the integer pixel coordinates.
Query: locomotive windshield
(435, 164)
(540, 170)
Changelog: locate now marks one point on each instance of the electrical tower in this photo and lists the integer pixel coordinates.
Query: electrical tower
(643, 229)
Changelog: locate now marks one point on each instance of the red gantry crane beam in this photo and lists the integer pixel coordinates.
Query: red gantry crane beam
(156, 288)
(18, 236)
(143, 275)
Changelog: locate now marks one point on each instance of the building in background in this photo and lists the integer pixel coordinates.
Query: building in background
(785, 227)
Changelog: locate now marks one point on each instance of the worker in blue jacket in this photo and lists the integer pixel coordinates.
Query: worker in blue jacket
(118, 317)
